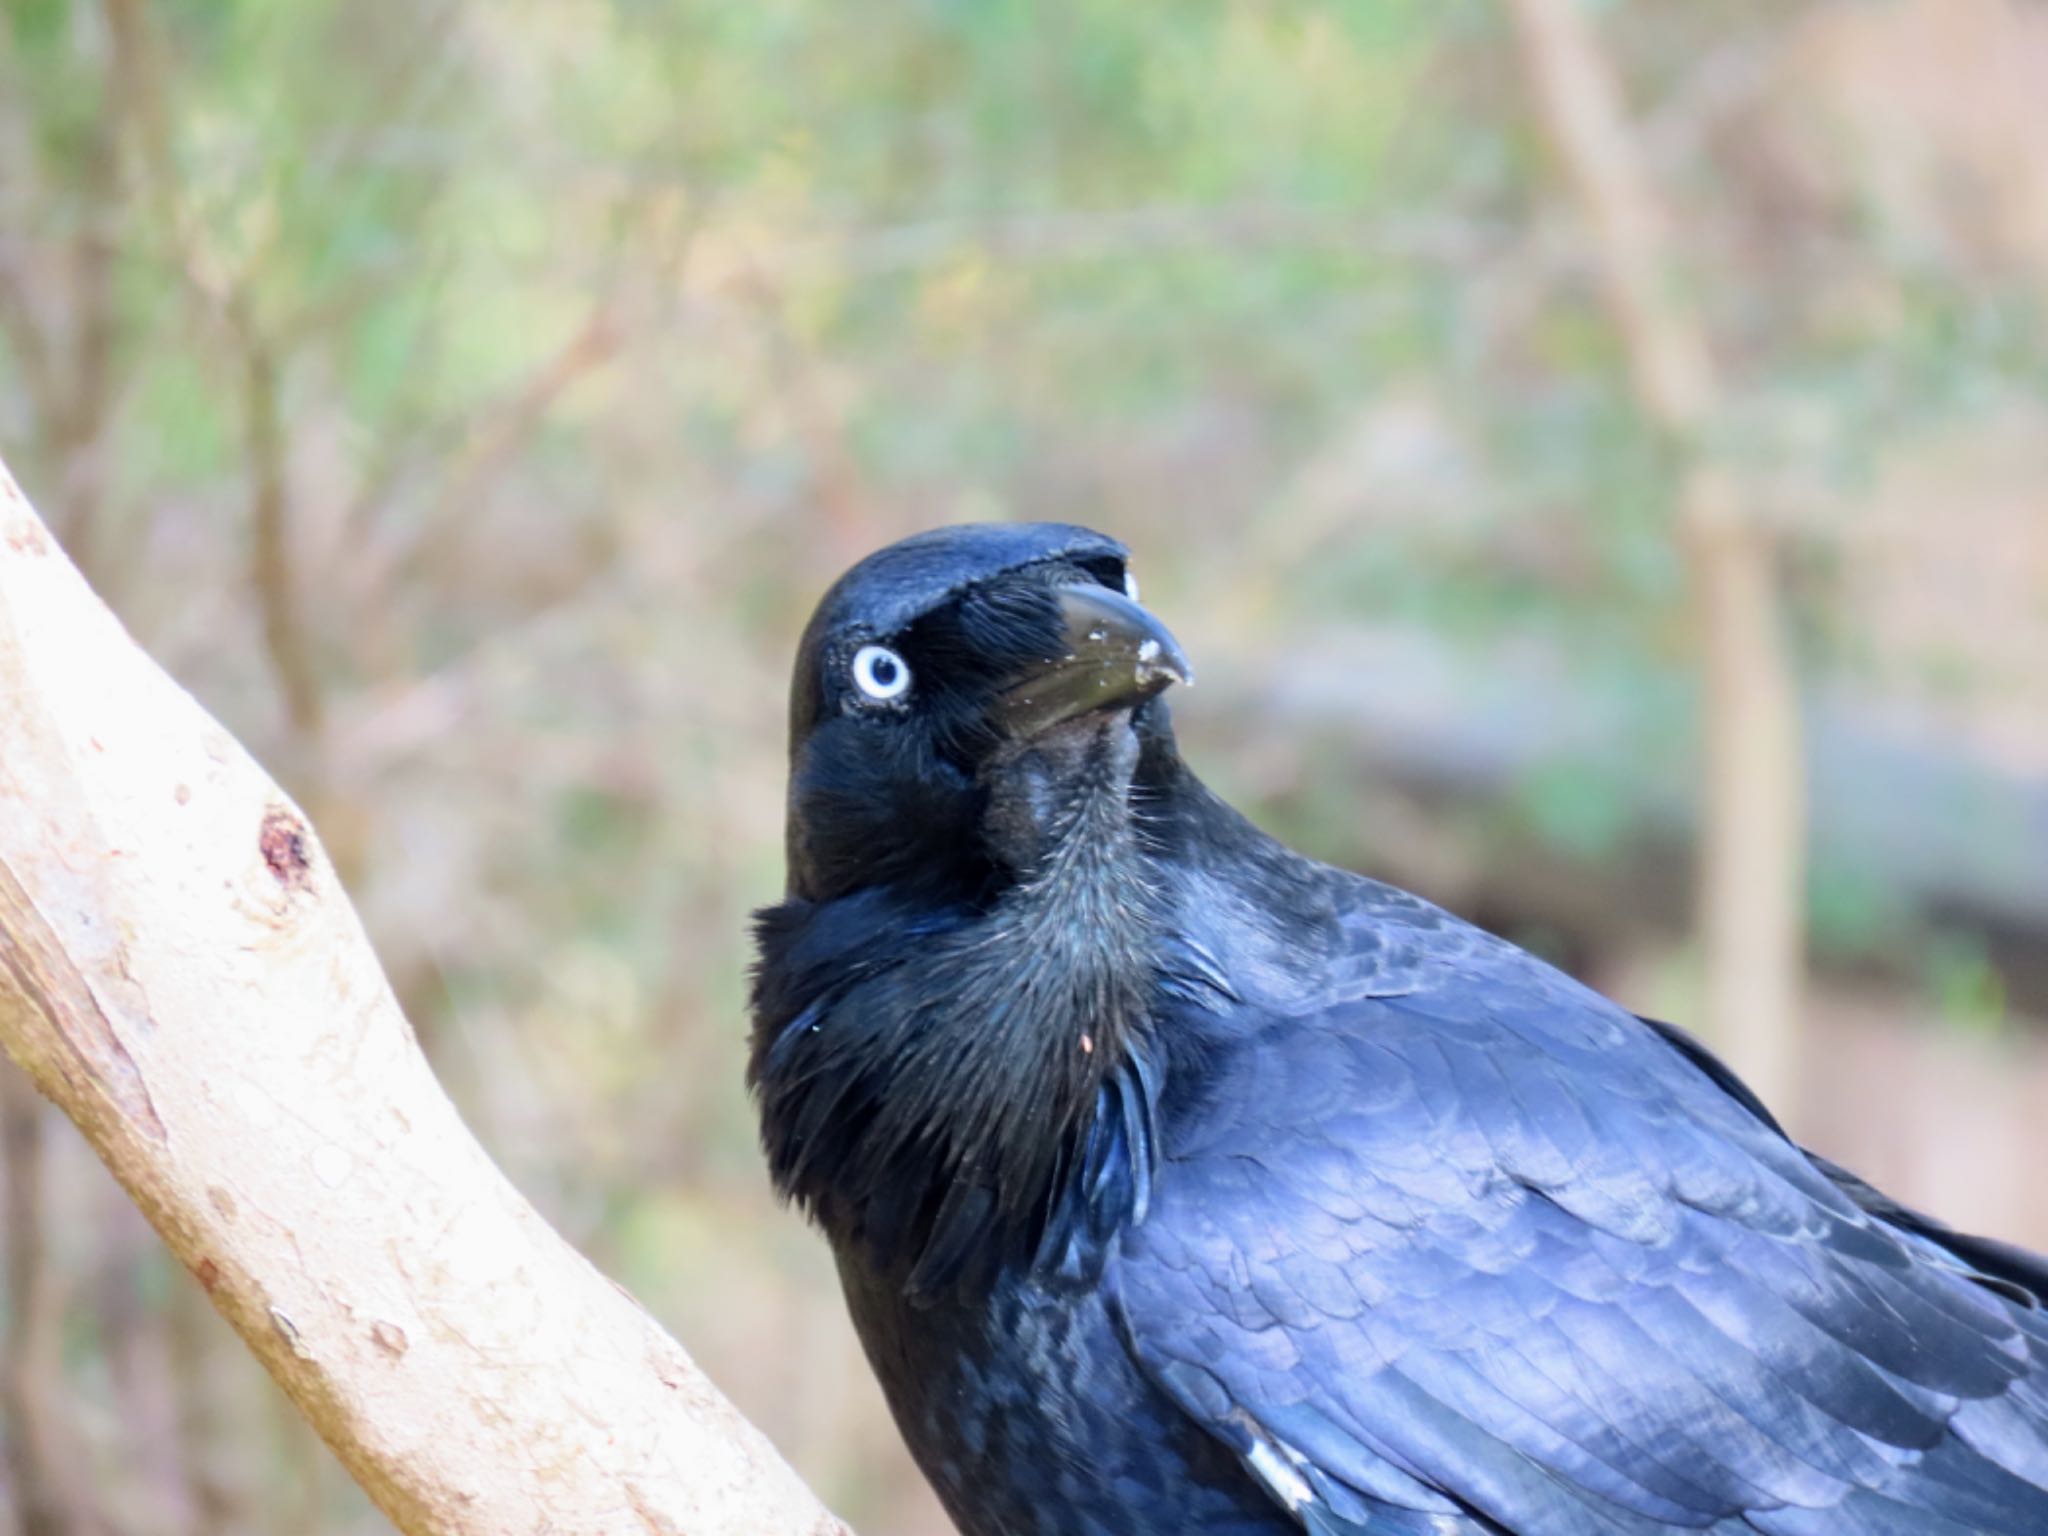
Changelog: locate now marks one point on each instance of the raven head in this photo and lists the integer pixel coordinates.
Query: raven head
(958, 698)
(951, 1004)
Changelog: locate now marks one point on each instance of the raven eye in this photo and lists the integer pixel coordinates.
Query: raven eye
(880, 673)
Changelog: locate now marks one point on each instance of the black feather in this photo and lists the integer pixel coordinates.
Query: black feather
(1180, 1183)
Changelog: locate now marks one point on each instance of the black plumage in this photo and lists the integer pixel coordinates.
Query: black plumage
(1178, 1182)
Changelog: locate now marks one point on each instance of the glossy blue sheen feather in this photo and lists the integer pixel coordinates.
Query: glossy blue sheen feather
(1343, 1216)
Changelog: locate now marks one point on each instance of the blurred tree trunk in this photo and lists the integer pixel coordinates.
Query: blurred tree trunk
(181, 973)
(45, 1456)
(1753, 824)
(214, 1420)
(65, 333)
(136, 1330)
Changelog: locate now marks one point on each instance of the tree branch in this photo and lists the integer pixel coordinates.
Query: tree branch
(270, 559)
(181, 973)
(1752, 878)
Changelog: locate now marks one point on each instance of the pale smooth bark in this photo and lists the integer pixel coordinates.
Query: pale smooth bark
(1752, 877)
(182, 974)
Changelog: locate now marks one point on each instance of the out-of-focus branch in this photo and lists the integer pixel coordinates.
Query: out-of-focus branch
(181, 973)
(1122, 234)
(1752, 874)
(280, 600)
(227, 308)
(498, 441)
(841, 486)
(494, 440)
(23, 329)
(1664, 345)
(276, 583)
(67, 363)
(81, 429)
(134, 1319)
(212, 1435)
(44, 1456)
(66, 342)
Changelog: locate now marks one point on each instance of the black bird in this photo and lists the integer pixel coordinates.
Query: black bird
(1179, 1183)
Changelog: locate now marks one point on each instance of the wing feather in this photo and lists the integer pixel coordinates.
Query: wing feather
(1494, 1254)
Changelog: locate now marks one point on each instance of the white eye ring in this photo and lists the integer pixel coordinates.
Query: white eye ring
(1131, 585)
(880, 673)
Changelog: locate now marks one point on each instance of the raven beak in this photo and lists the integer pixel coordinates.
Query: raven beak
(1115, 653)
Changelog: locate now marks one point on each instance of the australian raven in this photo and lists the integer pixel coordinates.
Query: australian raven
(1179, 1183)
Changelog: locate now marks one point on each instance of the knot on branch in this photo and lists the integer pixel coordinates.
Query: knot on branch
(283, 841)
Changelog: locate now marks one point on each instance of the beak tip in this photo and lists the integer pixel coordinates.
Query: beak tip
(1166, 670)
(1115, 652)
(1163, 663)
(1176, 664)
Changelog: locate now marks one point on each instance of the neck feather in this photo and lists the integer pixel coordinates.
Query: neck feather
(946, 1090)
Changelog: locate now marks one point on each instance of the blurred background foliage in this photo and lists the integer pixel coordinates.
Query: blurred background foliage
(468, 400)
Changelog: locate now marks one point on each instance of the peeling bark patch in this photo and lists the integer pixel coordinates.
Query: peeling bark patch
(289, 1332)
(390, 1338)
(34, 966)
(218, 1197)
(208, 1274)
(27, 538)
(670, 1371)
(283, 841)
(184, 794)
